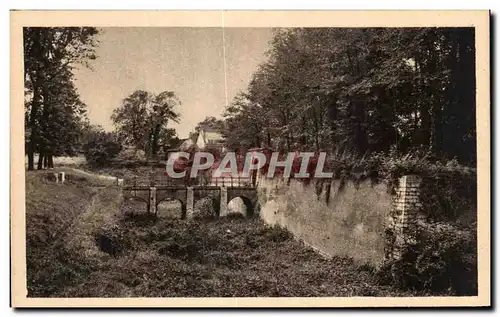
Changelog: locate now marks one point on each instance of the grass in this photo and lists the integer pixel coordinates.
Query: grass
(223, 258)
(80, 244)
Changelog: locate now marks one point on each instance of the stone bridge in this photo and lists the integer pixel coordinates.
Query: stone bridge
(153, 195)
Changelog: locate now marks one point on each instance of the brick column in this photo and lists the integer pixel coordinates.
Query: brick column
(403, 216)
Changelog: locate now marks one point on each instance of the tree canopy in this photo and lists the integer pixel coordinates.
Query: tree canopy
(54, 112)
(142, 119)
(362, 90)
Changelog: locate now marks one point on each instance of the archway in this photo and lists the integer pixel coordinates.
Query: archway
(240, 205)
(206, 207)
(134, 206)
(171, 208)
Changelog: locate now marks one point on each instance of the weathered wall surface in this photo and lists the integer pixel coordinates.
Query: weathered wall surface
(346, 220)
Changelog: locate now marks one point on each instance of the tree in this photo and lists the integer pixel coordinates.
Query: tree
(100, 147)
(168, 139)
(142, 119)
(211, 122)
(362, 90)
(52, 104)
(61, 121)
(244, 124)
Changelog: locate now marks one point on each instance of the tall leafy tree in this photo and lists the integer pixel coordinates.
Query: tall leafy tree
(142, 119)
(363, 90)
(52, 105)
(245, 127)
(211, 122)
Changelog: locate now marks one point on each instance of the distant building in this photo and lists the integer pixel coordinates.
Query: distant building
(210, 138)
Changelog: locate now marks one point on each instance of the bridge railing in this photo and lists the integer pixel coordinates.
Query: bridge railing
(202, 180)
(231, 182)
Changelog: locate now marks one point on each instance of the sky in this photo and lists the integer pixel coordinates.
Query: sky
(186, 60)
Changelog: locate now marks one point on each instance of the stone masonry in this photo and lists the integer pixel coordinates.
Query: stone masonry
(402, 222)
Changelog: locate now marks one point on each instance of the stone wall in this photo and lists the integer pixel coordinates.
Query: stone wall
(364, 221)
(336, 219)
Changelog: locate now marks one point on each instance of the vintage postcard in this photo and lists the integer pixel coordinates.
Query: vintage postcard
(250, 158)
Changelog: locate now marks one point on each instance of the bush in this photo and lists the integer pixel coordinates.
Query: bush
(131, 154)
(113, 241)
(443, 261)
(389, 167)
(101, 148)
(277, 233)
(450, 197)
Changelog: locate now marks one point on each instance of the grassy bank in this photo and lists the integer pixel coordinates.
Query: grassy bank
(226, 257)
(60, 224)
(80, 244)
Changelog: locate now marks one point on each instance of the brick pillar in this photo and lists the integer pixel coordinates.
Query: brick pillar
(190, 203)
(403, 216)
(223, 202)
(152, 200)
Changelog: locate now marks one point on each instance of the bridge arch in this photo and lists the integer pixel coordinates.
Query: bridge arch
(130, 206)
(207, 206)
(248, 205)
(162, 208)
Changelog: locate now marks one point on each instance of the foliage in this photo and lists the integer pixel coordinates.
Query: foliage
(212, 123)
(131, 155)
(362, 91)
(101, 147)
(389, 167)
(243, 124)
(444, 260)
(142, 120)
(54, 112)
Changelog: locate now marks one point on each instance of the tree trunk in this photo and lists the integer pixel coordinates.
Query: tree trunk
(316, 129)
(360, 136)
(268, 137)
(33, 128)
(303, 137)
(31, 158)
(154, 145)
(36, 78)
(45, 163)
(50, 161)
(258, 142)
(424, 134)
(41, 155)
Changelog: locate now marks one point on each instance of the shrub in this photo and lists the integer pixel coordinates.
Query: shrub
(113, 241)
(277, 233)
(449, 196)
(389, 167)
(444, 260)
(131, 154)
(100, 148)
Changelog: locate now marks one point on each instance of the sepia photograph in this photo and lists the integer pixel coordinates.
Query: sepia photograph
(236, 159)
